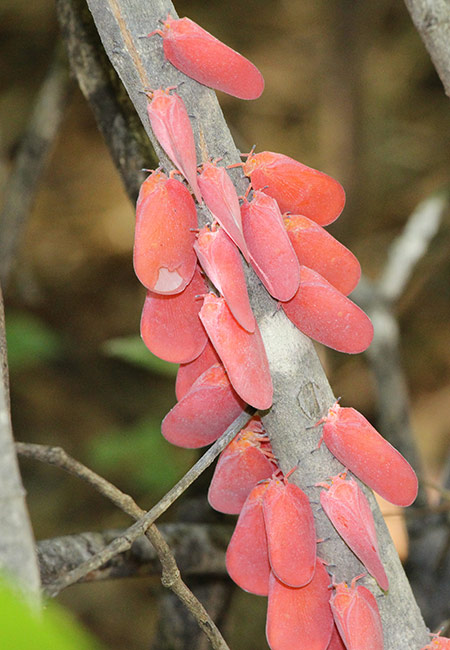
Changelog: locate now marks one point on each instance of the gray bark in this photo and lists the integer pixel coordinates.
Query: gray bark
(302, 392)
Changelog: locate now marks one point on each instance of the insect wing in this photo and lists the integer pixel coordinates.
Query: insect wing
(357, 618)
(170, 325)
(350, 513)
(246, 559)
(291, 535)
(336, 642)
(355, 442)
(239, 468)
(164, 259)
(271, 252)
(242, 354)
(296, 188)
(321, 252)
(324, 314)
(189, 372)
(204, 413)
(170, 123)
(221, 261)
(301, 616)
(203, 57)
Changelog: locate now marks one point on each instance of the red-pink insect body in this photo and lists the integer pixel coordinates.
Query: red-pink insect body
(357, 618)
(438, 643)
(244, 463)
(170, 124)
(222, 201)
(360, 448)
(336, 642)
(320, 251)
(243, 354)
(247, 559)
(300, 618)
(291, 535)
(350, 513)
(324, 314)
(170, 326)
(189, 372)
(222, 263)
(164, 259)
(297, 188)
(271, 252)
(202, 57)
(204, 413)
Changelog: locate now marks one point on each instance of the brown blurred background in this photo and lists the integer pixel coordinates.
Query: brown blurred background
(350, 90)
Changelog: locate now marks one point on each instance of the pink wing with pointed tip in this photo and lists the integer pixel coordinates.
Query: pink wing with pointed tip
(360, 448)
(164, 258)
(171, 125)
(189, 372)
(271, 253)
(324, 314)
(302, 614)
(242, 354)
(222, 263)
(296, 188)
(170, 326)
(246, 559)
(291, 535)
(336, 642)
(239, 468)
(222, 201)
(204, 413)
(350, 513)
(357, 617)
(203, 57)
(321, 252)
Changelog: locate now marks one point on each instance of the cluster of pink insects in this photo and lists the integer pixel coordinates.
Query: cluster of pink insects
(223, 363)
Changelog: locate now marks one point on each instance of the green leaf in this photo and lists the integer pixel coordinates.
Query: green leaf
(30, 341)
(23, 629)
(133, 350)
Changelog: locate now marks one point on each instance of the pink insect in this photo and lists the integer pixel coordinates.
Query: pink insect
(438, 643)
(189, 372)
(320, 251)
(350, 513)
(242, 354)
(170, 325)
(202, 57)
(271, 252)
(356, 615)
(324, 314)
(164, 259)
(170, 124)
(247, 558)
(360, 448)
(300, 618)
(204, 413)
(297, 188)
(247, 460)
(222, 263)
(222, 201)
(291, 534)
(336, 642)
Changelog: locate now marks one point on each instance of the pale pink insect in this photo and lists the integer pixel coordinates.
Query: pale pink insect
(271, 253)
(170, 124)
(163, 256)
(222, 263)
(242, 353)
(360, 448)
(204, 58)
(350, 513)
(357, 617)
(189, 372)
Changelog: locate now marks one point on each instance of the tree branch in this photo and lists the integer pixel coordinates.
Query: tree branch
(432, 21)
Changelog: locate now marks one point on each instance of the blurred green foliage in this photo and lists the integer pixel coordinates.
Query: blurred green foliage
(30, 341)
(133, 350)
(23, 629)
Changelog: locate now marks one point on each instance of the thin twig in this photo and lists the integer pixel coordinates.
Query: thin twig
(171, 577)
(32, 159)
